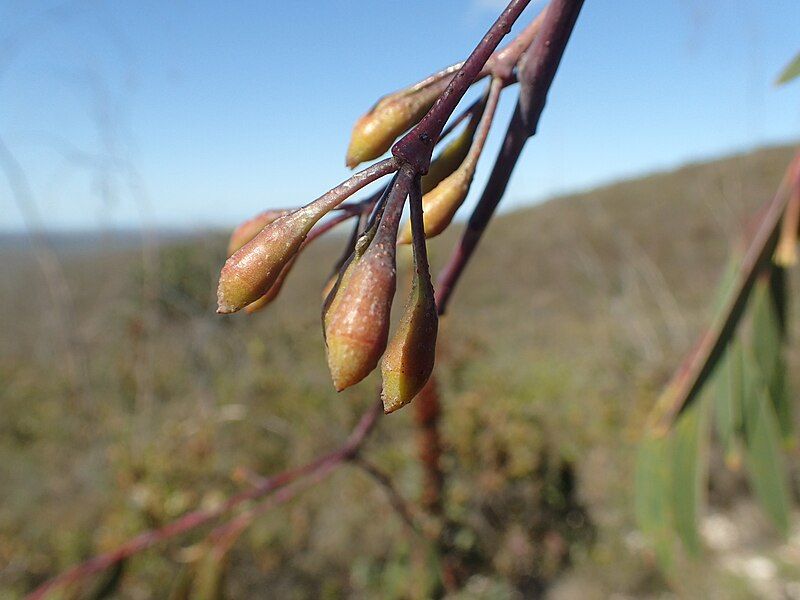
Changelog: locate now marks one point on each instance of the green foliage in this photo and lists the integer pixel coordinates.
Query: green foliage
(752, 414)
(762, 449)
(791, 71)
(548, 367)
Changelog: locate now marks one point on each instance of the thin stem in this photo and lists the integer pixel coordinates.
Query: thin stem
(198, 518)
(418, 230)
(502, 63)
(325, 227)
(539, 65)
(485, 124)
(399, 504)
(395, 201)
(460, 118)
(416, 147)
(335, 196)
(471, 109)
(687, 382)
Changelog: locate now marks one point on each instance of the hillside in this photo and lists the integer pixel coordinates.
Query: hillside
(126, 401)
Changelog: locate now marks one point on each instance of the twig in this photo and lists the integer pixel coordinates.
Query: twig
(198, 518)
(401, 507)
(689, 379)
(539, 65)
(416, 147)
(427, 412)
(412, 155)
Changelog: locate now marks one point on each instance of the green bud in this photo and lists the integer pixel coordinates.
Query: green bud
(375, 132)
(409, 358)
(250, 228)
(439, 206)
(452, 156)
(358, 316)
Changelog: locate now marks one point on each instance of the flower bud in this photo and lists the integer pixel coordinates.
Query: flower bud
(358, 315)
(440, 204)
(374, 133)
(273, 292)
(253, 269)
(452, 156)
(250, 228)
(409, 358)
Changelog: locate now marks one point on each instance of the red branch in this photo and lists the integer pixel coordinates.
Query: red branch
(539, 65)
(198, 518)
(699, 364)
(415, 149)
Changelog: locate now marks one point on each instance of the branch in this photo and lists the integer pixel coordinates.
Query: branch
(148, 539)
(539, 65)
(689, 379)
(401, 507)
(416, 147)
(412, 155)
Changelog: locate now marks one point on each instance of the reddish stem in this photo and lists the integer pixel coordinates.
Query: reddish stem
(416, 147)
(198, 518)
(539, 65)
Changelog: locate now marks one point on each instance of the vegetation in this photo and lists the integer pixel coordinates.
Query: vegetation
(547, 370)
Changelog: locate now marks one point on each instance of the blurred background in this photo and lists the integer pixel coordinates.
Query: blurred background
(134, 136)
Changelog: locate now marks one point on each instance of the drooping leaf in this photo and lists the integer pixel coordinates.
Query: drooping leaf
(728, 402)
(768, 349)
(693, 373)
(687, 475)
(652, 497)
(791, 71)
(763, 459)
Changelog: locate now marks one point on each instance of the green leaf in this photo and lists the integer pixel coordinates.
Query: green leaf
(791, 71)
(729, 381)
(687, 476)
(768, 352)
(763, 458)
(652, 497)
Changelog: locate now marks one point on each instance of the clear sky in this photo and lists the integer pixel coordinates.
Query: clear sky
(194, 114)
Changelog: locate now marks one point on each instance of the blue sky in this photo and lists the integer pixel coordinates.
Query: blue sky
(197, 114)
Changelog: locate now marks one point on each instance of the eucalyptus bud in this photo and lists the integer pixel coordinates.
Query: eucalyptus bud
(440, 204)
(357, 312)
(273, 292)
(374, 133)
(409, 358)
(253, 269)
(453, 154)
(357, 320)
(250, 228)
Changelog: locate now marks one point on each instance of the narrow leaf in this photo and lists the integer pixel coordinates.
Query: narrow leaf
(728, 402)
(652, 494)
(687, 475)
(791, 71)
(763, 459)
(767, 349)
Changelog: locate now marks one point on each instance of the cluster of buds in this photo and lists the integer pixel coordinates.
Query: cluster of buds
(356, 312)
